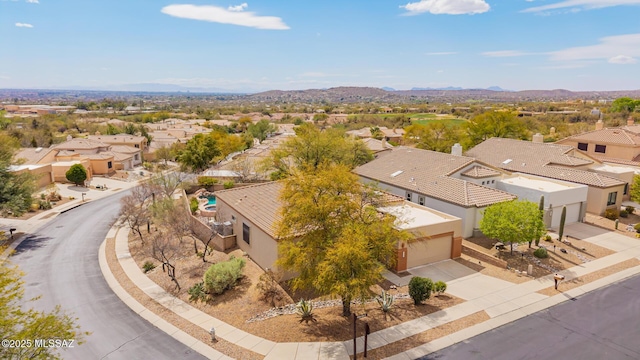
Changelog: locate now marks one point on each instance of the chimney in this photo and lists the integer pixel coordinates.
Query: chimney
(599, 125)
(384, 143)
(456, 149)
(630, 121)
(552, 131)
(69, 137)
(538, 138)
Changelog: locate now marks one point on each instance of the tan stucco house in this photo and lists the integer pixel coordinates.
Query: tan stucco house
(254, 210)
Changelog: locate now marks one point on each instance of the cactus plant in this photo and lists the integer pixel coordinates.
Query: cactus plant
(563, 217)
(385, 300)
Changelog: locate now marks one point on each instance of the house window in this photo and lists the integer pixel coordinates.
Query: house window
(421, 200)
(409, 196)
(583, 146)
(611, 200)
(109, 165)
(601, 148)
(493, 181)
(233, 219)
(246, 233)
(483, 183)
(137, 146)
(626, 189)
(137, 157)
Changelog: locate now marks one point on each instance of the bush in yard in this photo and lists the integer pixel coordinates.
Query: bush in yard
(637, 227)
(630, 209)
(224, 275)
(193, 205)
(197, 293)
(541, 253)
(611, 214)
(439, 287)
(305, 310)
(548, 238)
(148, 266)
(385, 300)
(420, 289)
(77, 174)
(269, 287)
(228, 184)
(207, 181)
(624, 213)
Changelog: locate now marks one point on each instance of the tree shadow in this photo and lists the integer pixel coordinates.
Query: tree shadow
(77, 188)
(31, 242)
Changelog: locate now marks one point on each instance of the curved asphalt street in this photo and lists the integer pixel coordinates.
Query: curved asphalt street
(61, 264)
(603, 324)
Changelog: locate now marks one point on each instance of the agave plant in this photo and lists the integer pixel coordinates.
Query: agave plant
(385, 300)
(305, 310)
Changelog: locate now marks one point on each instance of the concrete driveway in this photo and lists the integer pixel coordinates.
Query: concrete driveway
(601, 237)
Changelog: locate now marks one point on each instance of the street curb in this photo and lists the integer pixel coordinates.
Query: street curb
(74, 206)
(188, 340)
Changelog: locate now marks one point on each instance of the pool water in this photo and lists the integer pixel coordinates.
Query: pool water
(211, 200)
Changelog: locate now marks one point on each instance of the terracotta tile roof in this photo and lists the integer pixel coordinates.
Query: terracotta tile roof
(427, 172)
(376, 145)
(31, 156)
(120, 138)
(634, 162)
(621, 136)
(125, 149)
(539, 159)
(259, 203)
(81, 144)
(478, 172)
(117, 156)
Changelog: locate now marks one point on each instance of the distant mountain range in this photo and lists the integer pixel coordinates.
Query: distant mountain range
(448, 88)
(156, 87)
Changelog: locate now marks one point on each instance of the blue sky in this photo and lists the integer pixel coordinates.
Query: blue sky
(261, 45)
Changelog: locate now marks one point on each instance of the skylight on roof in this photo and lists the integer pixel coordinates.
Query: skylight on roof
(507, 161)
(396, 173)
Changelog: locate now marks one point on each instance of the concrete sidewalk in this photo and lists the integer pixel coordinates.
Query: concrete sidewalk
(503, 304)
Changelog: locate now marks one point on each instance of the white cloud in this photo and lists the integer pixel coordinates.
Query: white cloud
(24, 25)
(504, 53)
(582, 4)
(622, 59)
(441, 53)
(609, 48)
(449, 7)
(240, 7)
(33, 1)
(225, 16)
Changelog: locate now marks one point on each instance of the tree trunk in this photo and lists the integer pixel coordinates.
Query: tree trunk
(206, 247)
(346, 306)
(511, 244)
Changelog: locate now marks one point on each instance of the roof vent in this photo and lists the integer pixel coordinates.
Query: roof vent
(507, 161)
(396, 173)
(38, 149)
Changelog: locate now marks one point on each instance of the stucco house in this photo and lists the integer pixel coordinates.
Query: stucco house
(554, 161)
(254, 210)
(452, 184)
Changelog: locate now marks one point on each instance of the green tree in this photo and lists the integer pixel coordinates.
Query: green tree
(199, 153)
(512, 222)
(332, 235)
(634, 191)
(77, 174)
(436, 136)
(312, 147)
(17, 322)
(16, 188)
(261, 129)
(493, 124)
(624, 105)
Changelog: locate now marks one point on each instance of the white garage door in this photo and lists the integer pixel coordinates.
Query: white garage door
(573, 214)
(428, 251)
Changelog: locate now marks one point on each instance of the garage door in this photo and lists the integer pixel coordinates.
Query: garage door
(428, 251)
(573, 214)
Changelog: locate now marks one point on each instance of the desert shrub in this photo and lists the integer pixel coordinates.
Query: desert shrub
(148, 266)
(637, 227)
(147, 166)
(269, 287)
(385, 300)
(541, 253)
(624, 213)
(420, 289)
(630, 209)
(223, 275)
(547, 238)
(439, 287)
(206, 181)
(197, 293)
(305, 310)
(228, 184)
(611, 214)
(193, 205)
(44, 205)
